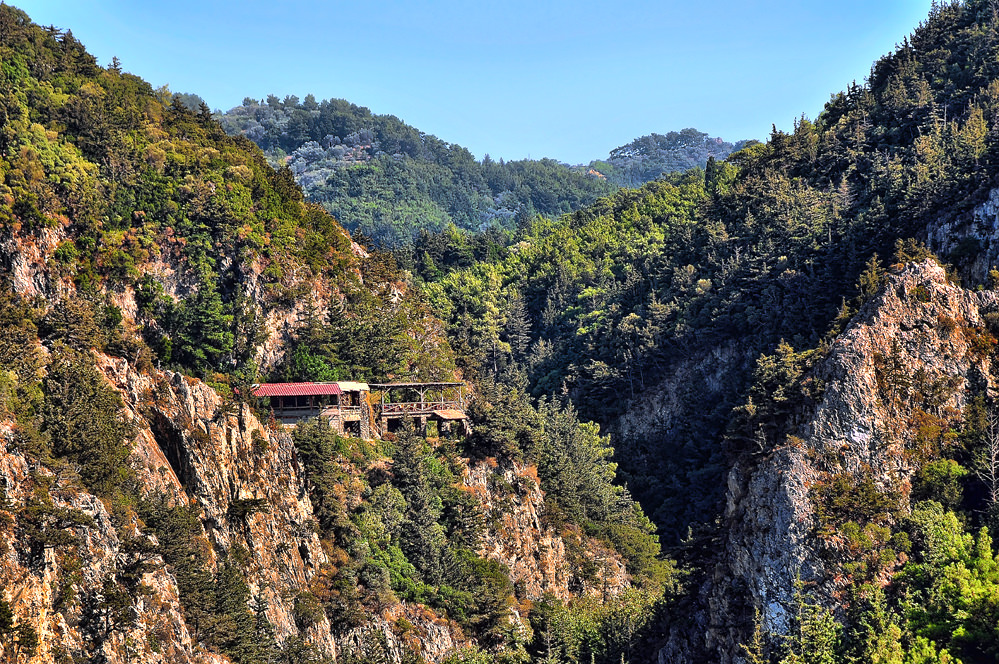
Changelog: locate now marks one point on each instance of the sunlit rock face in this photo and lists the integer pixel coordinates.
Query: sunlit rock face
(916, 345)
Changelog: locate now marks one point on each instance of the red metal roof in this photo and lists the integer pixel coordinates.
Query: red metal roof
(295, 389)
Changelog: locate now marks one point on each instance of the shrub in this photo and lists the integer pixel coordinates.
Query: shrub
(940, 481)
(241, 508)
(981, 342)
(308, 611)
(920, 293)
(946, 324)
(260, 444)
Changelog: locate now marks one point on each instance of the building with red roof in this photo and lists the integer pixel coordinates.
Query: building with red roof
(351, 411)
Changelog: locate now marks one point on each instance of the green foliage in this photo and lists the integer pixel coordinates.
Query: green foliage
(82, 419)
(318, 448)
(307, 610)
(235, 630)
(941, 607)
(874, 634)
(135, 176)
(778, 243)
(814, 635)
(846, 498)
(940, 481)
(649, 157)
(216, 604)
(203, 339)
(389, 181)
(19, 640)
(781, 388)
(755, 652)
(241, 508)
(954, 584)
(506, 423)
(749, 259)
(134, 179)
(469, 655)
(574, 469)
(587, 631)
(185, 549)
(871, 278)
(368, 338)
(424, 539)
(411, 534)
(46, 525)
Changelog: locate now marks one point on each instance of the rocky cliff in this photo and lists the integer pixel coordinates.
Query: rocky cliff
(972, 239)
(541, 559)
(917, 352)
(246, 484)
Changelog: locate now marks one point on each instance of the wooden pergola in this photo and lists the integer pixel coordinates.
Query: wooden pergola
(445, 405)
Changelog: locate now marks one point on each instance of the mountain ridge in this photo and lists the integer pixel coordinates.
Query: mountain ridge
(391, 181)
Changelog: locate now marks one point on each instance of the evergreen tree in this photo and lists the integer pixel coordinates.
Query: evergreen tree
(423, 538)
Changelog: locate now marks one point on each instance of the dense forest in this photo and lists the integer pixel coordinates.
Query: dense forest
(763, 257)
(390, 181)
(650, 157)
(768, 245)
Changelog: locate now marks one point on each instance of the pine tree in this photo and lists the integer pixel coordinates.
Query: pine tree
(517, 328)
(423, 538)
(814, 636)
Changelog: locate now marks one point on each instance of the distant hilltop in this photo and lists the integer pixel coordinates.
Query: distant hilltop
(390, 181)
(649, 157)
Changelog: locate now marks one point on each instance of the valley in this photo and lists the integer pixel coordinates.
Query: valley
(302, 383)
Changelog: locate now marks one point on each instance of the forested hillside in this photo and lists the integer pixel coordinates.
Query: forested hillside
(154, 268)
(389, 180)
(790, 355)
(768, 245)
(690, 315)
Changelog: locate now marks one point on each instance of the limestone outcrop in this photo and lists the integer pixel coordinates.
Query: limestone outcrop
(920, 343)
(193, 447)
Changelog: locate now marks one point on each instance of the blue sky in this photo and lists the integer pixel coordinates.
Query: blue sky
(568, 80)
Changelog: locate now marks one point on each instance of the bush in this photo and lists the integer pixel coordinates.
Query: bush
(241, 508)
(940, 481)
(308, 611)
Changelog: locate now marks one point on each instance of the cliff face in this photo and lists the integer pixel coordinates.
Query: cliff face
(194, 448)
(28, 259)
(972, 238)
(57, 589)
(921, 346)
(540, 559)
(197, 448)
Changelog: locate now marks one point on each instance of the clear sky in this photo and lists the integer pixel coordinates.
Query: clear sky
(515, 78)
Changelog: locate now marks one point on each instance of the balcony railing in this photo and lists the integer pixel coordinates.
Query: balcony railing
(402, 408)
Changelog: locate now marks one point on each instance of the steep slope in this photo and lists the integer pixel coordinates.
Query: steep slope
(685, 315)
(216, 485)
(622, 304)
(902, 374)
(213, 256)
(153, 268)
